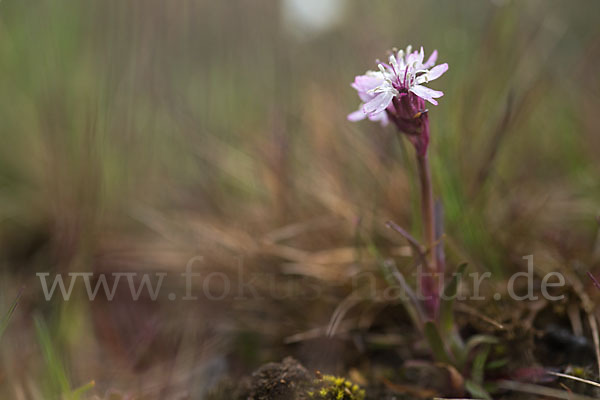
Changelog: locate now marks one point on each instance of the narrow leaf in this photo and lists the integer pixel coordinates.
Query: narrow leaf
(477, 340)
(436, 343)
(53, 363)
(446, 308)
(9, 313)
(477, 370)
(77, 393)
(477, 390)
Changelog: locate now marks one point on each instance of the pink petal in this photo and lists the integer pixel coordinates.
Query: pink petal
(381, 117)
(433, 74)
(365, 97)
(357, 115)
(379, 103)
(426, 93)
(431, 60)
(437, 71)
(364, 83)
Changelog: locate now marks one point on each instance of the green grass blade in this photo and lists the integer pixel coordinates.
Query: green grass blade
(57, 372)
(446, 308)
(477, 340)
(8, 315)
(476, 390)
(77, 393)
(477, 371)
(436, 343)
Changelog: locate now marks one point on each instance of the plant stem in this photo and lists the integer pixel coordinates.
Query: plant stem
(427, 210)
(429, 280)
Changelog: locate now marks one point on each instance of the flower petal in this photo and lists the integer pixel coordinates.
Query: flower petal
(437, 71)
(426, 93)
(364, 83)
(379, 103)
(433, 74)
(357, 115)
(416, 58)
(431, 60)
(365, 97)
(381, 117)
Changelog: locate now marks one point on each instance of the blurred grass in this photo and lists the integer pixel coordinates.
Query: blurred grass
(222, 110)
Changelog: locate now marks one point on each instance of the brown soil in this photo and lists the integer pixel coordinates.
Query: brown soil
(286, 380)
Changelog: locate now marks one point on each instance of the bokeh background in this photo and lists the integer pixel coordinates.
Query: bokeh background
(139, 134)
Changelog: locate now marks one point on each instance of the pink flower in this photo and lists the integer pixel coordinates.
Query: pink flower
(365, 85)
(404, 75)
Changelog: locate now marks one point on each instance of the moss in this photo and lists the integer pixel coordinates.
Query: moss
(331, 387)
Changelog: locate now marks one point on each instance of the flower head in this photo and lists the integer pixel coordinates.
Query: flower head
(397, 92)
(404, 74)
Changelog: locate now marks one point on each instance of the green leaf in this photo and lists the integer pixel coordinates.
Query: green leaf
(446, 308)
(77, 393)
(410, 301)
(477, 390)
(436, 343)
(56, 369)
(457, 347)
(477, 340)
(497, 363)
(477, 370)
(8, 315)
(59, 380)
